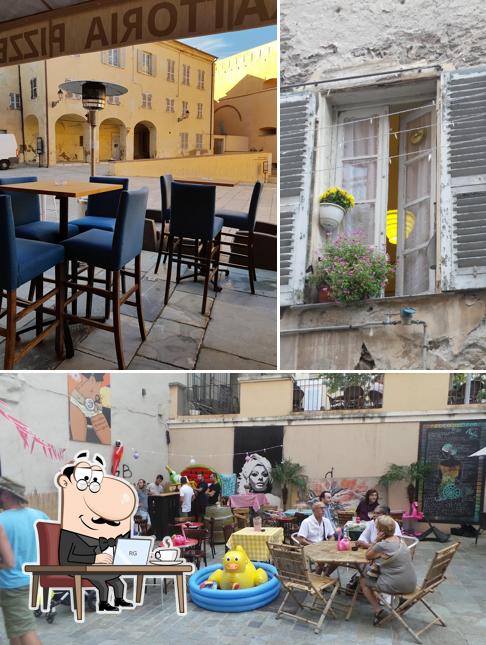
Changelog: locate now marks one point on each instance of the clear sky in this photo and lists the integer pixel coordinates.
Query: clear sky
(229, 43)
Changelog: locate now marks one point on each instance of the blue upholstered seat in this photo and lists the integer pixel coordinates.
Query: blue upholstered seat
(27, 215)
(22, 260)
(102, 209)
(112, 250)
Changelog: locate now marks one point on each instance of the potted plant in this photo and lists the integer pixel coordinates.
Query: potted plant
(353, 270)
(337, 381)
(287, 474)
(334, 203)
(413, 474)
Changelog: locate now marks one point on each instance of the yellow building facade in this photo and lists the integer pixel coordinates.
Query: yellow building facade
(167, 111)
(245, 96)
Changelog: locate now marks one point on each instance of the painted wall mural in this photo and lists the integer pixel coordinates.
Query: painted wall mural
(346, 493)
(90, 407)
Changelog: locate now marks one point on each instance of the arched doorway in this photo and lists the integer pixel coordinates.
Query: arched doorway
(72, 138)
(144, 135)
(113, 140)
(31, 132)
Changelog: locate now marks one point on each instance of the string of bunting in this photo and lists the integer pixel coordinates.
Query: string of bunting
(29, 439)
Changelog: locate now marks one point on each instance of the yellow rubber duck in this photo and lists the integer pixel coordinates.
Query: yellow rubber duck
(238, 571)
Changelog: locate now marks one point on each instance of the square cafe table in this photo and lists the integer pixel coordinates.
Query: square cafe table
(326, 553)
(255, 542)
(62, 192)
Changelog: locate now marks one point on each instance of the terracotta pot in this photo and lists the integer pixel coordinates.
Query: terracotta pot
(325, 294)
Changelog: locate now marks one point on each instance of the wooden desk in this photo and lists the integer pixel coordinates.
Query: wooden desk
(326, 553)
(178, 571)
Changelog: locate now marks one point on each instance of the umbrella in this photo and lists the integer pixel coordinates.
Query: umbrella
(479, 453)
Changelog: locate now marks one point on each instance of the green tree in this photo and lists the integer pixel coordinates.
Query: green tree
(413, 474)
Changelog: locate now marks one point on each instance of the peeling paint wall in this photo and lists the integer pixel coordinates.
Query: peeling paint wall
(455, 335)
(322, 36)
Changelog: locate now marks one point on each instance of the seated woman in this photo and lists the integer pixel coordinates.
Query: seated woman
(367, 505)
(392, 562)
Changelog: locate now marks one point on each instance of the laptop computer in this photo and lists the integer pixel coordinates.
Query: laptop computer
(133, 551)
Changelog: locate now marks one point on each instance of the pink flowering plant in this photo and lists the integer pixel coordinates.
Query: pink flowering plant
(351, 269)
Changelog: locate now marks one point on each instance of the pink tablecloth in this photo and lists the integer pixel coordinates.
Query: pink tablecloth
(255, 500)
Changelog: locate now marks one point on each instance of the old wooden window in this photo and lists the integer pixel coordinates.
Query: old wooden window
(170, 70)
(186, 74)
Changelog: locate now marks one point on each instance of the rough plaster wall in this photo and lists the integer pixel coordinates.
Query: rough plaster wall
(319, 36)
(40, 401)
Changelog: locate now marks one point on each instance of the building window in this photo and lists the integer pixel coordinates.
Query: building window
(169, 105)
(200, 79)
(185, 108)
(170, 70)
(186, 73)
(145, 63)
(146, 100)
(112, 57)
(199, 110)
(14, 101)
(33, 88)
(184, 140)
(467, 388)
(199, 141)
(112, 100)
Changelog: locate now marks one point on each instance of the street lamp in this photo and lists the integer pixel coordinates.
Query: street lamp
(93, 94)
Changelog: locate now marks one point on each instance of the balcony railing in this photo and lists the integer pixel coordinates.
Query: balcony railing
(465, 389)
(212, 394)
(315, 394)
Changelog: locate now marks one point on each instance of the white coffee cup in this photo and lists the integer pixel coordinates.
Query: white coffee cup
(166, 555)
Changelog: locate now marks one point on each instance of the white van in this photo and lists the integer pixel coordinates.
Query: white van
(9, 152)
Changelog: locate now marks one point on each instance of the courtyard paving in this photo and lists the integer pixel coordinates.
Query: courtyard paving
(461, 601)
(238, 331)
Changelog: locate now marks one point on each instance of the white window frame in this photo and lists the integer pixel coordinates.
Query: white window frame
(184, 141)
(147, 100)
(113, 57)
(199, 110)
(200, 79)
(14, 101)
(171, 70)
(169, 105)
(199, 141)
(33, 88)
(186, 74)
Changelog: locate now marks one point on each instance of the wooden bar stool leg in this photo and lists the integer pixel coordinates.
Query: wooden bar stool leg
(9, 359)
(117, 321)
(123, 281)
(164, 235)
(60, 279)
(32, 290)
(107, 300)
(169, 268)
(207, 269)
(251, 262)
(138, 297)
(39, 292)
(89, 295)
(161, 248)
(74, 278)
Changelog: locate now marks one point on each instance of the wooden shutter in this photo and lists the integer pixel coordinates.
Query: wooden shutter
(297, 135)
(154, 65)
(463, 179)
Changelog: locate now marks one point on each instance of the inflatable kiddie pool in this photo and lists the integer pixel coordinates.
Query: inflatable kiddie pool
(234, 600)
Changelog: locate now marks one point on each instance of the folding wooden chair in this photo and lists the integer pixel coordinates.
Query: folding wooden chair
(242, 520)
(294, 576)
(433, 578)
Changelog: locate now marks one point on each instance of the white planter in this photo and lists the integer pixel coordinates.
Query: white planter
(330, 215)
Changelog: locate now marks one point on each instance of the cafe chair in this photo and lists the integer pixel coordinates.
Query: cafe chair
(111, 251)
(103, 208)
(192, 217)
(434, 577)
(296, 578)
(21, 261)
(162, 216)
(27, 214)
(245, 223)
(197, 553)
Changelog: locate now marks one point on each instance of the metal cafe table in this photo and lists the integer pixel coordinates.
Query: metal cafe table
(62, 192)
(326, 553)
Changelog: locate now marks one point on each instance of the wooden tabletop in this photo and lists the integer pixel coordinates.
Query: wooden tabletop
(134, 569)
(327, 552)
(69, 189)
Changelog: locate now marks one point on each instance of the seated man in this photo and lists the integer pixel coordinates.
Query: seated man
(369, 535)
(316, 527)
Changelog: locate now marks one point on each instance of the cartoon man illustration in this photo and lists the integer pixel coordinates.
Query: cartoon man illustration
(96, 510)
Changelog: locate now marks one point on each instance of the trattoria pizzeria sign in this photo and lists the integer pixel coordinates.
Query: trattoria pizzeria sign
(98, 25)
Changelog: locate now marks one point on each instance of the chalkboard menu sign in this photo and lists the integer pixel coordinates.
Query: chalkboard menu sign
(453, 492)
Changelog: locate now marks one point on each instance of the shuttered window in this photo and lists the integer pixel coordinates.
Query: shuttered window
(297, 119)
(463, 179)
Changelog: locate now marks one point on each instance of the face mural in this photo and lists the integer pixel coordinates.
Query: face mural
(90, 407)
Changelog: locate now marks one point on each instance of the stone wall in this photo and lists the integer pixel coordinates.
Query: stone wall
(320, 36)
(455, 336)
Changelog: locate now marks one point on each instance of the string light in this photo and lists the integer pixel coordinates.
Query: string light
(201, 455)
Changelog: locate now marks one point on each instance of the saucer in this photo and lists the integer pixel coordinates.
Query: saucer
(166, 562)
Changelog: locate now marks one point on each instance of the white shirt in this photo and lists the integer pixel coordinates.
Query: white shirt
(314, 532)
(155, 489)
(186, 494)
(370, 532)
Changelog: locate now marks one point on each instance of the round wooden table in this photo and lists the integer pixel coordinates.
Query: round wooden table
(326, 553)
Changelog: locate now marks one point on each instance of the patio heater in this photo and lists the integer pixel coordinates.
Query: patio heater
(93, 95)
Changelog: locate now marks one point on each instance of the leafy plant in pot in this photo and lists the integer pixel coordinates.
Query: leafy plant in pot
(352, 269)
(288, 474)
(413, 474)
(333, 205)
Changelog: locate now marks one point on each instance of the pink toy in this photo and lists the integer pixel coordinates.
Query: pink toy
(178, 540)
(343, 544)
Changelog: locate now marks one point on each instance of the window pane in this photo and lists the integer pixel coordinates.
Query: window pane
(420, 135)
(359, 178)
(418, 179)
(360, 137)
(416, 278)
(361, 220)
(419, 221)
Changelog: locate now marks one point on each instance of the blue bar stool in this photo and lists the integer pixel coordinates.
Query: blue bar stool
(192, 217)
(245, 223)
(23, 260)
(111, 251)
